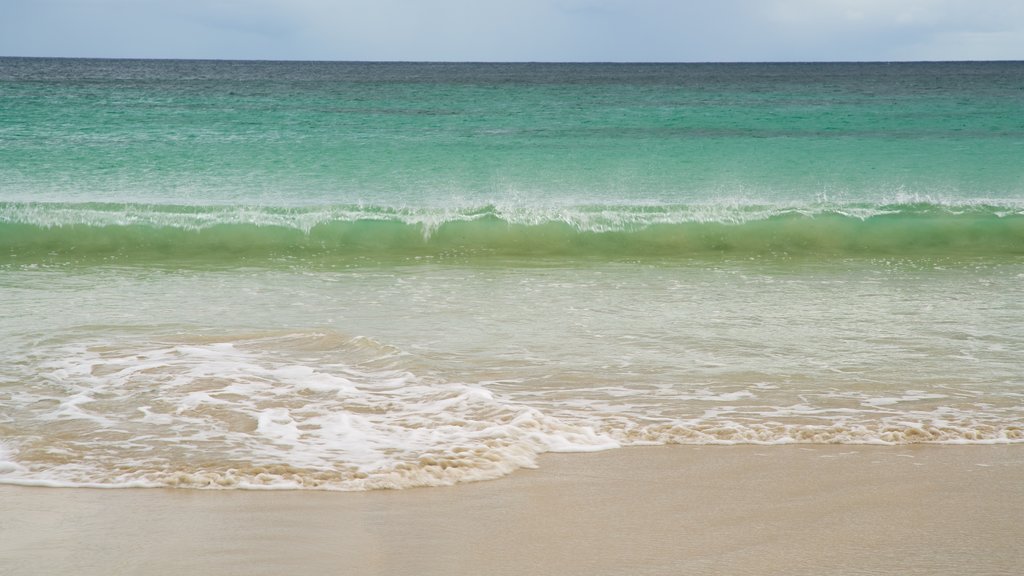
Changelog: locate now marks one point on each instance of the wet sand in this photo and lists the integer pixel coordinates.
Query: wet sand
(790, 510)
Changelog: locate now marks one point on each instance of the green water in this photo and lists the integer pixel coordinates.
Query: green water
(292, 133)
(356, 275)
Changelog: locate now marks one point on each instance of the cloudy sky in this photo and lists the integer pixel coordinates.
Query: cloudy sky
(517, 30)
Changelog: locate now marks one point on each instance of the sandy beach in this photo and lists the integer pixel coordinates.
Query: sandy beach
(659, 510)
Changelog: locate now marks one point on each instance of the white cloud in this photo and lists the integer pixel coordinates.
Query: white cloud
(833, 13)
(994, 45)
(901, 29)
(674, 30)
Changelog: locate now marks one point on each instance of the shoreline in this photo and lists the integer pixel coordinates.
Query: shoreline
(798, 509)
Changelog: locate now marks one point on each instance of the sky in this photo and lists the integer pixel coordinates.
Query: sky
(517, 30)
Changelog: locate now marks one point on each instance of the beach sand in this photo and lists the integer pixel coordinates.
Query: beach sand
(791, 510)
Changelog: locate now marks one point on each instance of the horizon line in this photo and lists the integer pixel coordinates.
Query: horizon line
(604, 62)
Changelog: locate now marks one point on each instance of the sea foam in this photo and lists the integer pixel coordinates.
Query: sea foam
(34, 231)
(321, 410)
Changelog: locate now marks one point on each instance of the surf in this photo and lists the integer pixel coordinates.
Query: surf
(67, 231)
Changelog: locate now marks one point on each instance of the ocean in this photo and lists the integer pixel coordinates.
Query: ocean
(352, 276)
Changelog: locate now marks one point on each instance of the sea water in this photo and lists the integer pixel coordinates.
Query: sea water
(363, 275)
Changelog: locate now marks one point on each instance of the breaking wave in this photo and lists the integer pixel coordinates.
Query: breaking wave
(78, 231)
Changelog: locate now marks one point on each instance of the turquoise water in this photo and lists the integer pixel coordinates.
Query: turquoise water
(359, 275)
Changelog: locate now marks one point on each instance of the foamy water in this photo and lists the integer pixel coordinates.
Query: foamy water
(434, 374)
(250, 414)
(354, 276)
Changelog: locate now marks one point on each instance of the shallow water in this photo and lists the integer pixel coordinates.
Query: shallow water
(355, 276)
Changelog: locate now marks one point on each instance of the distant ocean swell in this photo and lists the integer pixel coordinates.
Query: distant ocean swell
(31, 230)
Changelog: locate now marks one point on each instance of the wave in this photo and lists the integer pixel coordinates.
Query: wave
(30, 230)
(325, 410)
